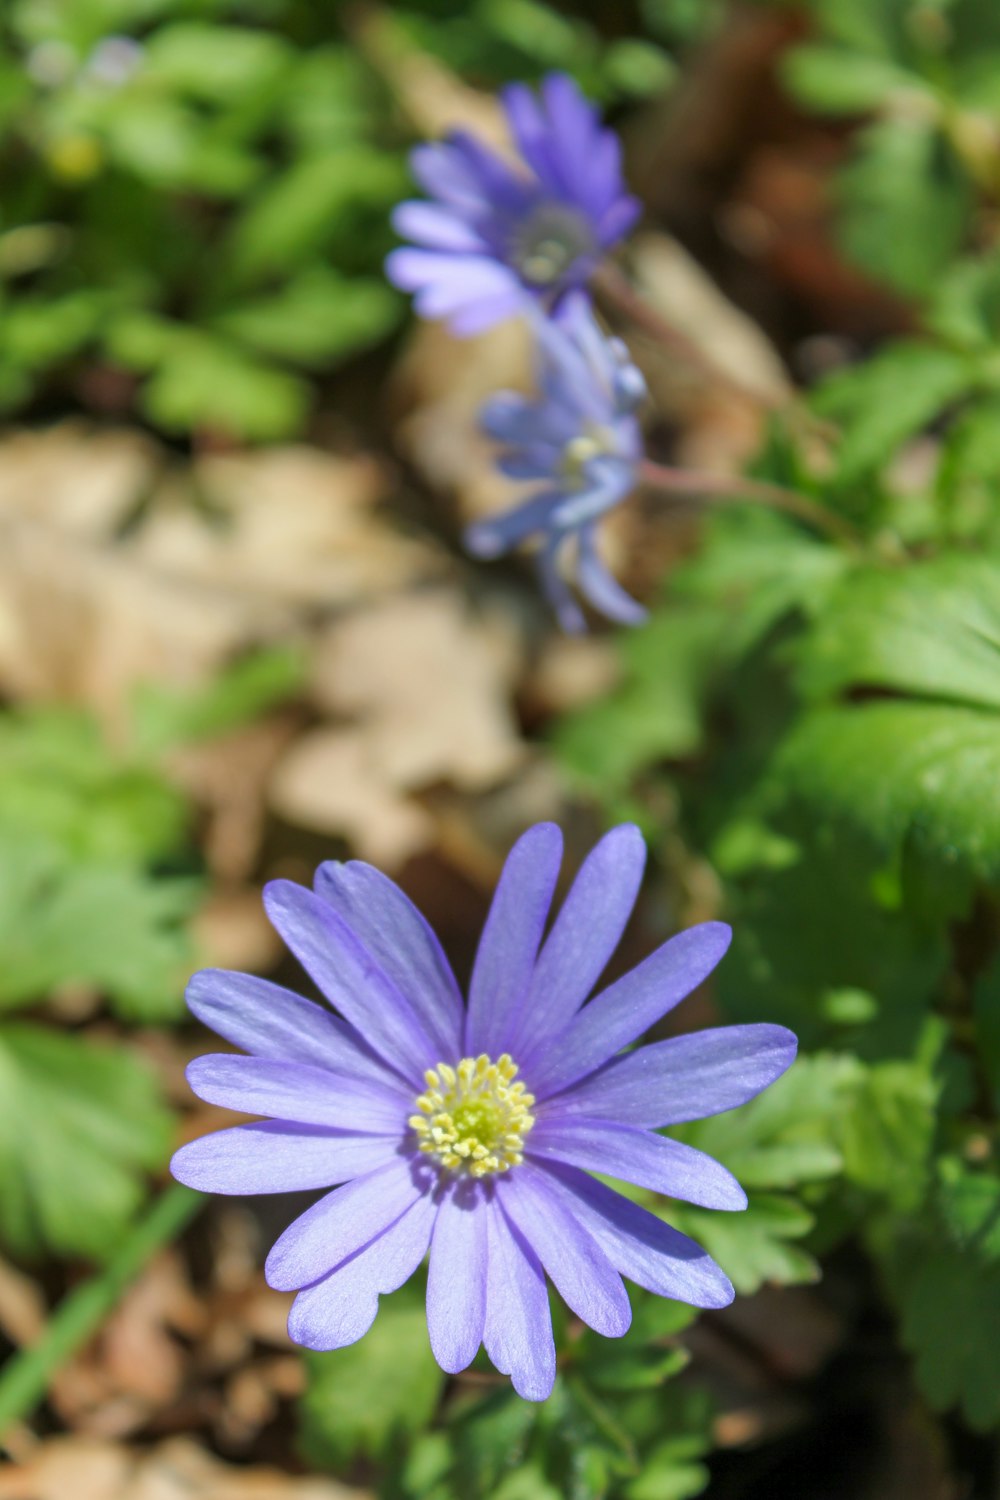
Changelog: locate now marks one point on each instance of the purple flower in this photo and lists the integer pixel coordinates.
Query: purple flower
(580, 441)
(495, 239)
(471, 1131)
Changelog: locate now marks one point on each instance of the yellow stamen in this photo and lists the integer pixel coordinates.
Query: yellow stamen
(473, 1117)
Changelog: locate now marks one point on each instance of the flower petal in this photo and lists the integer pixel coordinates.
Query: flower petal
(642, 1247)
(341, 1307)
(402, 943)
(436, 227)
(456, 1280)
(342, 1223)
(638, 1156)
(297, 1092)
(339, 963)
(502, 972)
(518, 1332)
(684, 1078)
(581, 1272)
(601, 589)
(272, 1156)
(269, 1021)
(583, 938)
(630, 1006)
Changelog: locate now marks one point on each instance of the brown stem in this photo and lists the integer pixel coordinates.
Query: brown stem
(738, 490)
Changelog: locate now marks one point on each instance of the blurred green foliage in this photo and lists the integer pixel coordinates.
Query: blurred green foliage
(97, 888)
(196, 193)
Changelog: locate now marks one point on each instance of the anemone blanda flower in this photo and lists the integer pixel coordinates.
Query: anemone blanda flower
(472, 1131)
(580, 443)
(496, 238)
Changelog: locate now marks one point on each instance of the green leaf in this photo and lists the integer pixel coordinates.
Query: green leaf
(216, 63)
(364, 1400)
(753, 1247)
(166, 717)
(932, 630)
(887, 1131)
(112, 928)
(60, 782)
(887, 400)
(906, 204)
(657, 714)
(919, 775)
(951, 1323)
(79, 1125)
(783, 1137)
(295, 215)
(836, 80)
(205, 383)
(317, 318)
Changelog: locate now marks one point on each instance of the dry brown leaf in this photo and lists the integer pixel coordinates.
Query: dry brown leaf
(292, 525)
(328, 782)
(22, 1305)
(81, 1468)
(441, 385)
(427, 686)
(135, 1366)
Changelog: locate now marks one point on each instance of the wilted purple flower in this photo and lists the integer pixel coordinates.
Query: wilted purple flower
(580, 441)
(494, 238)
(471, 1131)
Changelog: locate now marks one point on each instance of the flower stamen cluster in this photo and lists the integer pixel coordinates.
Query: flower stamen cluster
(474, 1118)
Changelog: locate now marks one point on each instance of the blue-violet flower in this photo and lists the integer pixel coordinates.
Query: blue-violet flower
(472, 1131)
(494, 238)
(581, 442)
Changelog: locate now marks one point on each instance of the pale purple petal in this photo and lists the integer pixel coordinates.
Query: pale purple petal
(585, 934)
(269, 1021)
(649, 1252)
(518, 1332)
(342, 1223)
(341, 1307)
(601, 589)
(581, 1272)
(402, 944)
(638, 1156)
(629, 1007)
(684, 1078)
(437, 228)
(476, 317)
(509, 944)
(272, 1156)
(555, 588)
(496, 534)
(299, 1093)
(456, 1280)
(327, 949)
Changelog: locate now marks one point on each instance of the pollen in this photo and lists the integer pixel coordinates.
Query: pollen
(473, 1118)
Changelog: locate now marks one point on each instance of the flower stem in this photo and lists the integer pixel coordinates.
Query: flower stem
(616, 288)
(736, 490)
(27, 1376)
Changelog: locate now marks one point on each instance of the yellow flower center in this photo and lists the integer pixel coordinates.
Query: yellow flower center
(474, 1118)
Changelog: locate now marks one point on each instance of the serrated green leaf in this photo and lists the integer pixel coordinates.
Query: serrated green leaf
(886, 1133)
(950, 1302)
(59, 782)
(908, 774)
(931, 630)
(108, 927)
(364, 1399)
(752, 1247)
(79, 1124)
